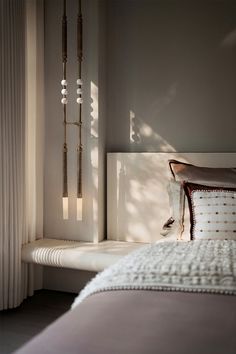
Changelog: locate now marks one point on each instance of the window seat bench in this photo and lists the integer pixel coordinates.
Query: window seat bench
(75, 254)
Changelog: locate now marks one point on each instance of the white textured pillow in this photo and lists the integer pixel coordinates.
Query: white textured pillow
(176, 199)
(212, 212)
(179, 212)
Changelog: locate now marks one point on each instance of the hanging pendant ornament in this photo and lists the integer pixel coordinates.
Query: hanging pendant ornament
(78, 123)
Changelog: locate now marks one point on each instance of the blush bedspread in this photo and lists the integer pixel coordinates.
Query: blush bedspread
(165, 299)
(143, 322)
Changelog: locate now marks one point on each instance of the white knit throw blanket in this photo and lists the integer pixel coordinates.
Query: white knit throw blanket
(197, 266)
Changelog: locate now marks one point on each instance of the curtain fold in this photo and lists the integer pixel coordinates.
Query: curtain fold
(18, 197)
(12, 153)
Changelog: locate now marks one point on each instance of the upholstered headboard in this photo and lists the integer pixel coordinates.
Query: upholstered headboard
(137, 198)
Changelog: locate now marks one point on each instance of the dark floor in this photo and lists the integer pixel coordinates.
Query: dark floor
(19, 325)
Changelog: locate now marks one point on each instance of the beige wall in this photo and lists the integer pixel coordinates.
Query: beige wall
(162, 72)
(171, 71)
(91, 228)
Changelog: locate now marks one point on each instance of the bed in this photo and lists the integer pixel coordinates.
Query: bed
(143, 322)
(174, 295)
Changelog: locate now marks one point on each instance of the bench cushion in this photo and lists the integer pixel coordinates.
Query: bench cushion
(75, 254)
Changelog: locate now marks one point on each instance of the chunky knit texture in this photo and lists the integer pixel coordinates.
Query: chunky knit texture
(197, 266)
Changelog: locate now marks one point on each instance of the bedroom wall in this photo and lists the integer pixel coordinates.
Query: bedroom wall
(162, 73)
(92, 226)
(171, 75)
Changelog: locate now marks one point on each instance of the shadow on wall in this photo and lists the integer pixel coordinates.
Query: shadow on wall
(172, 63)
(141, 134)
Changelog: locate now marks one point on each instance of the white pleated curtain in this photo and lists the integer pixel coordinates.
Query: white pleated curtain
(18, 197)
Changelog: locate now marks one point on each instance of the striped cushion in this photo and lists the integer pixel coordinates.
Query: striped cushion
(212, 212)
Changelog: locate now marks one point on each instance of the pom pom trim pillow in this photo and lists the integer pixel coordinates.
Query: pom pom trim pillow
(184, 172)
(212, 212)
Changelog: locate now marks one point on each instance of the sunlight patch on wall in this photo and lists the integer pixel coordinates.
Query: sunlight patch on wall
(138, 202)
(141, 132)
(134, 129)
(131, 208)
(94, 113)
(145, 130)
(94, 161)
(94, 149)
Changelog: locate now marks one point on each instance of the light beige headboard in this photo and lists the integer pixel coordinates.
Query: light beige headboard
(137, 198)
